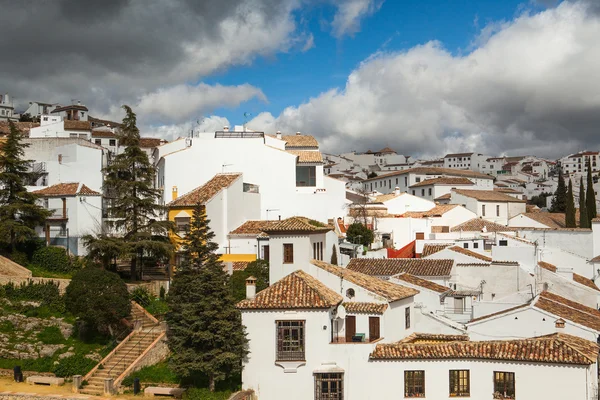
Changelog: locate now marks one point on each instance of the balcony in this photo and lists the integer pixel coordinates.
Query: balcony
(58, 214)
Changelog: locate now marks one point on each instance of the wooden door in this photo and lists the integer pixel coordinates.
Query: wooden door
(266, 252)
(350, 327)
(373, 328)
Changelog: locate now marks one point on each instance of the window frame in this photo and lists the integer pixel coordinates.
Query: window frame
(483, 210)
(497, 210)
(410, 382)
(286, 259)
(298, 326)
(328, 378)
(505, 383)
(462, 384)
(407, 318)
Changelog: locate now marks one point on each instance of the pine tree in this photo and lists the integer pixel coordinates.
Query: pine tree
(570, 208)
(133, 203)
(591, 195)
(205, 332)
(559, 201)
(19, 213)
(334, 260)
(584, 221)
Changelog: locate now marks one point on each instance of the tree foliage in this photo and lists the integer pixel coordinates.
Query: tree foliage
(133, 205)
(584, 221)
(359, 234)
(334, 258)
(540, 200)
(258, 269)
(205, 333)
(372, 174)
(19, 213)
(99, 298)
(591, 195)
(559, 201)
(570, 221)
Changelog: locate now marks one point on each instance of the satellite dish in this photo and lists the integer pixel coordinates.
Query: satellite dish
(341, 312)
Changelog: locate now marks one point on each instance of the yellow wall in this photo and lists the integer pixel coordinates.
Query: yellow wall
(238, 257)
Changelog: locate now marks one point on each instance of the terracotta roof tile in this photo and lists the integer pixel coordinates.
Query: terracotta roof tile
(435, 171)
(551, 220)
(446, 196)
(556, 348)
(71, 125)
(458, 155)
(469, 253)
(255, 227)
(477, 224)
(595, 259)
(70, 107)
(393, 266)
(547, 266)
(436, 211)
(585, 281)
(204, 193)
(487, 195)
(103, 134)
(307, 156)
(424, 283)
(297, 224)
(422, 338)
(151, 142)
(385, 289)
(240, 265)
(295, 291)
(432, 248)
(382, 198)
(298, 140)
(569, 310)
(24, 127)
(355, 307)
(473, 264)
(443, 181)
(66, 189)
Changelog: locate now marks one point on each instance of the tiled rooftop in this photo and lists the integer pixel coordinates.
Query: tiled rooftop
(432, 338)
(204, 193)
(297, 224)
(393, 266)
(556, 348)
(385, 289)
(585, 281)
(443, 181)
(382, 198)
(355, 307)
(299, 141)
(569, 310)
(71, 125)
(424, 283)
(24, 127)
(436, 211)
(551, 220)
(67, 189)
(470, 253)
(432, 248)
(307, 156)
(547, 266)
(151, 142)
(297, 290)
(254, 227)
(477, 225)
(487, 195)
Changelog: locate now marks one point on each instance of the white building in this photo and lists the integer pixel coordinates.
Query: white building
(490, 205)
(77, 211)
(471, 161)
(432, 189)
(7, 110)
(434, 270)
(577, 163)
(288, 170)
(72, 112)
(56, 126)
(36, 109)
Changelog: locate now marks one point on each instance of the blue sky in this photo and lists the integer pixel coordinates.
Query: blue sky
(292, 78)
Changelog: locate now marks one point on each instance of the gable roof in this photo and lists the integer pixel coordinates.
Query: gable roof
(382, 198)
(432, 248)
(204, 193)
(387, 290)
(307, 156)
(67, 189)
(424, 283)
(297, 290)
(253, 227)
(437, 211)
(443, 181)
(365, 308)
(71, 125)
(557, 348)
(551, 220)
(487, 195)
(469, 253)
(69, 107)
(458, 155)
(147, 142)
(547, 266)
(393, 266)
(477, 224)
(297, 224)
(569, 310)
(435, 171)
(298, 140)
(23, 127)
(422, 338)
(585, 281)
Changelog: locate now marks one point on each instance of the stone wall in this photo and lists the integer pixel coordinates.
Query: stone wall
(11, 268)
(10, 373)
(153, 286)
(17, 280)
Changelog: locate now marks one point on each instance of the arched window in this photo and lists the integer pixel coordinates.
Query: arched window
(350, 293)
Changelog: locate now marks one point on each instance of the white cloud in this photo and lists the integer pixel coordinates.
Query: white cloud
(349, 14)
(530, 85)
(174, 131)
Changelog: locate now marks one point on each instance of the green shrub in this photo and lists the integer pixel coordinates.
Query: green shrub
(43, 364)
(74, 365)
(205, 394)
(162, 294)
(153, 374)
(19, 257)
(46, 293)
(51, 335)
(7, 327)
(157, 307)
(142, 296)
(52, 258)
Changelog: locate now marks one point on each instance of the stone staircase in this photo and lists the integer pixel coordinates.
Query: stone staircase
(119, 363)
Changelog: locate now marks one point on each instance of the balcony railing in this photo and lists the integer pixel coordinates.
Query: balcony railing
(59, 213)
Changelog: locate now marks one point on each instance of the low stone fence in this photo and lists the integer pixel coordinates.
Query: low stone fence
(10, 373)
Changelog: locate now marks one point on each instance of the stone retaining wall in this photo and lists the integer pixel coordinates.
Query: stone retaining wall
(11, 268)
(17, 280)
(9, 373)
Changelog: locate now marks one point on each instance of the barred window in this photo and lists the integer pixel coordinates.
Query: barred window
(414, 383)
(460, 385)
(504, 384)
(329, 386)
(290, 341)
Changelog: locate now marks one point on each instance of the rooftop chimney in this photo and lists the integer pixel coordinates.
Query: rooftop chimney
(397, 191)
(298, 133)
(278, 134)
(225, 128)
(250, 287)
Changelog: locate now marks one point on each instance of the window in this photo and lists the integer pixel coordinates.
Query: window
(466, 245)
(407, 318)
(475, 245)
(504, 384)
(414, 383)
(288, 253)
(396, 179)
(422, 192)
(329, 386)
(318, 251)
(483, 210)
(350, 293)
(374, 328)
(406, 181)
(420, 235)
(112, 142)
(182, 224)
(429, 191)
(417, 180)
(98, 142)
(265, 250)
(413, 192)
(503, 243)
(290, 340)
(306, 176)
(390, 183)
(460, 383)
(497, 211)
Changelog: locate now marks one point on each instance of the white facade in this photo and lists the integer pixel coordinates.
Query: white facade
(55, 126)
(36, 109)
(495, 211)
(7, 110)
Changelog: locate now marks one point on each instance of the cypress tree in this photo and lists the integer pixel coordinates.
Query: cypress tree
(570, 208)
(559, 201)
(334, 260)
(584, 221)
(133, 204)
(205, 331)
(591, 195)
(19, 213)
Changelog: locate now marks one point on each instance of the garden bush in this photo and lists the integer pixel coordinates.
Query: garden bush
(51, 335)
(74, 365)
(52, 258)
(205, 394)
(46, 293)
(19, 257)
(142, 296)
